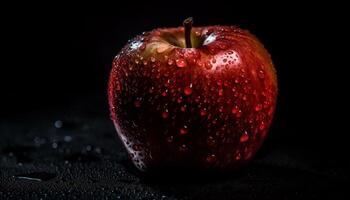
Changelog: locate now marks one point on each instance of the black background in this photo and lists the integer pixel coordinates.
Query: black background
(56, 57)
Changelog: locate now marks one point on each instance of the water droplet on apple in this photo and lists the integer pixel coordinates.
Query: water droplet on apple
(203, 112)
(137, 61)
(262, 126)
(153, 59)
(236, 111)
(211, 141)
(165, 114)
(208, 66)
(213, 60)
(188, 90)
(183, 108)
(261, 74)
(221, 91)
(238, 156)
(181, 63)
(210, 158)
(170, 139)
(183, 148)
(258, 107)
(244, 137)
(170, 61)
(183, 130)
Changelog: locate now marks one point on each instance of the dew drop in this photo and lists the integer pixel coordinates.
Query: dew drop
(262, 126)
(238, 156)
(258, 107)
(208, 66)
(170, 139)
(170, 61)
(244, 137)
(221, 91)
(188, 90)
(165, 114)
(181, 63)
(236, 111)
(203, 112)
(261, 74)
(183, 130)
(183, 148)
(211, 141)
(211, 158)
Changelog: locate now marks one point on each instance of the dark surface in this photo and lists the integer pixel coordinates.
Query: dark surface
(55, 66)
(91, 163)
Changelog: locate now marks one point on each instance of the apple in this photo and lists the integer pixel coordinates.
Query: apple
(197, 98)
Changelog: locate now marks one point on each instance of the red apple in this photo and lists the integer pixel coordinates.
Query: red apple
(199, 98)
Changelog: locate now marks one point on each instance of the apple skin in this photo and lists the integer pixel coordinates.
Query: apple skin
(206, 107)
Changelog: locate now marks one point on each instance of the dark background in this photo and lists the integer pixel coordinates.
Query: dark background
(56, 65)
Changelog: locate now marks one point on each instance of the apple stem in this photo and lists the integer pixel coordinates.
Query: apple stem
(188, 26)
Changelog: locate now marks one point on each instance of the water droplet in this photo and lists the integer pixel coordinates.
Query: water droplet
(151, 90)
(183, 148)
(183, 130)
(145, 62)
(221, 91)
(211, 158)
(181, 63)
(183, 108)
(262, 126)
(137, 103)
(236, 111)
(165, 114)
(153, 59)
(188, 90)
(170, 139)
(164, 93)
(137, 61)
(224, 60)
(208, 66)
(170, 61)
(213, 60)
(203, 112)
(236, 80)
(258, 107)
(179, 100)
(244, 137)
(211, 141)
(261, 74)
(238, 156)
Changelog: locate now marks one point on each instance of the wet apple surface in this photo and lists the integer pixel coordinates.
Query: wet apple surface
(205, 107)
